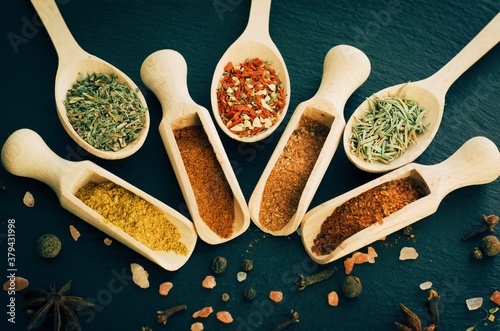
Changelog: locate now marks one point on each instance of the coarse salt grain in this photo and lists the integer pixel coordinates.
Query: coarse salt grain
(75, 234)
(276, 296)
(203, 312)
(107, 241)
(165, 288)
(139, 275)
(209, 282)
(197, 326)
(224, 317)
(425, 286)
(333, 299)
(408, 253)
(28, 199)
(241, 276)
(474, 303)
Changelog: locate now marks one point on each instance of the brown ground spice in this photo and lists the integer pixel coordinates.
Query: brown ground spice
(134, 215)
(212, 192)
(364, 210)
(288, 178)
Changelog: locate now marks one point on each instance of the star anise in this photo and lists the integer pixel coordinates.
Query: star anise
(60, 307)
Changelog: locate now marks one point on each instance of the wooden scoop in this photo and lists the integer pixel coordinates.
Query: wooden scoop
(165, 73)
(476, 162)
(428, 93)
(345, 69)
(254, 42)
(73, 61)
(26, 154)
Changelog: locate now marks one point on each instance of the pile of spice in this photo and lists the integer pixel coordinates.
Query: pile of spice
(105, 113)
(134, 215)
(250, 97)
(289, 176)
(213, 194)
(387, 129)
(364, 210)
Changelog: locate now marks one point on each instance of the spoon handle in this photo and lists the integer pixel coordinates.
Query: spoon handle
(476, 162)
(25, 154)
(485, 40)
(258, 20)
(165, 73)
(64, 42)
(345, 69)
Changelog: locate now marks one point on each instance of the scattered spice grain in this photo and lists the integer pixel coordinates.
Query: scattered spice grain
(250, 97)
(289, 176)
(364, 210)
(134, 215)
(213, 195)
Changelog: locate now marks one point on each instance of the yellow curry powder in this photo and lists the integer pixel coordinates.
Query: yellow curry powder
(134, 215)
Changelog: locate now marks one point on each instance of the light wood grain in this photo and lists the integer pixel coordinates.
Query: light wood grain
(254, 42)
(73, 61)
(476, 162)
(345, 69)
(26, 154)
(429, 93)
(165, 73)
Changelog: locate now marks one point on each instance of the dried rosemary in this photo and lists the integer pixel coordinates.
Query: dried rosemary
(105, 113)
(387, 128)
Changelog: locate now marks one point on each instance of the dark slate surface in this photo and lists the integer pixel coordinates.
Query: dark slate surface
(405, 40)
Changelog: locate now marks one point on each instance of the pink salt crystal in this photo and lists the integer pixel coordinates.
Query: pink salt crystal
(15, 284)
(224, 317)
(107, 241)
(276, 296)
(333, 299)
(165, 288)
(203, 312)
(75, 234)
(198, 326)
(495, 297)
(209, 282)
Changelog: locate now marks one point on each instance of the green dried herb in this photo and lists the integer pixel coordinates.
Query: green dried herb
(387, 129)
(105, 113)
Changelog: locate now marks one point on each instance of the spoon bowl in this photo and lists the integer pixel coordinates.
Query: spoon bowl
(429, 93)
(26, 154)
(476, 162)
(345, 69)
(254, 42)
(165, 73)
(74, 61)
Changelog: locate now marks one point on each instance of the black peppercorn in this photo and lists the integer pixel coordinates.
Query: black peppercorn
(249, 293)
(219, 264)
(247, 265)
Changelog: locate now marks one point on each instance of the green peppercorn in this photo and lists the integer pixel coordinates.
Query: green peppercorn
(249, 293)
(48, 246)
(225, 297)
(490, 245)
(247, 265)
(351, 286)
(219, 264)
(476, 253)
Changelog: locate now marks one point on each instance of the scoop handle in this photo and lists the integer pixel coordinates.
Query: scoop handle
(476, 162)
(25, 154)
(64, 42)
(345, 69)
(165, 73)
(258, 20)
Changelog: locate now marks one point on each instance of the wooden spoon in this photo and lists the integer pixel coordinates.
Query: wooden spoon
(73, 61)
(165, 73)
(254, 42)
(429, 93)
(26, 154)
(476, 162)
(345, 69)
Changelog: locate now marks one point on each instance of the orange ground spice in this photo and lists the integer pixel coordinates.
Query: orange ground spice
(212, 192)
(289, 176)
(364, 210)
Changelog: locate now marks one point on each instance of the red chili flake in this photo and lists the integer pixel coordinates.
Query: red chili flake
(250, 97)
